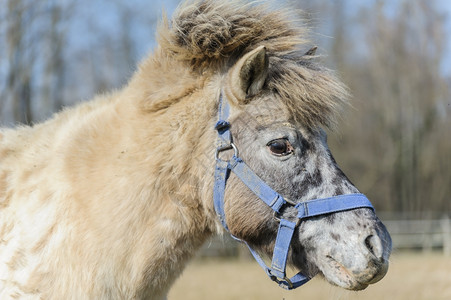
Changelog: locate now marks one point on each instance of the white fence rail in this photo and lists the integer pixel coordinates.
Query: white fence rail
(409, 232)
(423, 234)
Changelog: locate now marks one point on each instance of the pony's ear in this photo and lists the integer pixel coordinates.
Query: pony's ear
(311, 51)
(248, 75)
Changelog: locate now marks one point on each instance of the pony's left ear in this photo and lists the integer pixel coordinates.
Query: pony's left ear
(247, 77)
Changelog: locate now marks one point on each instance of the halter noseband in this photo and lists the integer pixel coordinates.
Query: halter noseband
(311, 208)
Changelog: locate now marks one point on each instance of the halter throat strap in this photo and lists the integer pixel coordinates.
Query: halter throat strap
(307, 209)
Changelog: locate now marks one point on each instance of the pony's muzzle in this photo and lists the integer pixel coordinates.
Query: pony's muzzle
(378, 246)
(362, 261)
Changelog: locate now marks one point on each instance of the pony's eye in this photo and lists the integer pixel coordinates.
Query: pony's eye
(280, 147)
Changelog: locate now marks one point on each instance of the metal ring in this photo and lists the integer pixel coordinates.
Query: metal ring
(290, 284)
(225, 148)
(280, 282)
(276, 216)
(291, 202)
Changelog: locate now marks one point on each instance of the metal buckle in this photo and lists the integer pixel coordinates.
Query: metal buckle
(282, 282)
(277, 217)
(225, 148)
(291, 202)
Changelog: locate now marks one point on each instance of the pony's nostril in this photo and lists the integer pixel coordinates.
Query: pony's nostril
(374, 245)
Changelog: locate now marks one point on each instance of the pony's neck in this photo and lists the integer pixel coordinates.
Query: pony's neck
(174, 125)
(178, 109)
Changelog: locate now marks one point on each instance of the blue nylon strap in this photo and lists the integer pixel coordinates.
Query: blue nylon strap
(256, 184)
(295, 281)
(280, 253)
(323, 206)
(221, 170)
(221, 175)
(223, 126)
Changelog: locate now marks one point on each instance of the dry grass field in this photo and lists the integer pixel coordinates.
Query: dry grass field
(410, 277)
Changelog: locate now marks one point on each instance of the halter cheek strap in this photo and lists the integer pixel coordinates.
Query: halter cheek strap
(311, 208)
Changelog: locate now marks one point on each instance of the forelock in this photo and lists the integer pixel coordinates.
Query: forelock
(312, 94)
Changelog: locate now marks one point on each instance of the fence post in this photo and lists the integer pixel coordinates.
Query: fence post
(446, 229)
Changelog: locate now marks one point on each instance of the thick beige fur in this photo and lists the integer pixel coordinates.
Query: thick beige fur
(109, 199)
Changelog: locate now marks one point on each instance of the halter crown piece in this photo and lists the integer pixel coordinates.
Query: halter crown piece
(307, 209)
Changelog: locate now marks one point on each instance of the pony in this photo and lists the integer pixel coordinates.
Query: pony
(111, 198)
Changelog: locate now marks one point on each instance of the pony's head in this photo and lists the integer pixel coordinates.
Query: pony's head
(280, 99)
(278, 105)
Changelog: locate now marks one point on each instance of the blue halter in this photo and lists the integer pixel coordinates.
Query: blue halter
(277, 270)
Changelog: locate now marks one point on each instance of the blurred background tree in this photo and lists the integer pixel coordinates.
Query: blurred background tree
(394, 143)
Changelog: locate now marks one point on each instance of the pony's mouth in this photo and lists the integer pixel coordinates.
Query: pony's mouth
(339, 275)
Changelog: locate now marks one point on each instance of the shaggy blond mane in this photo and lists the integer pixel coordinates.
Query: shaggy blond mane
(209, 36)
